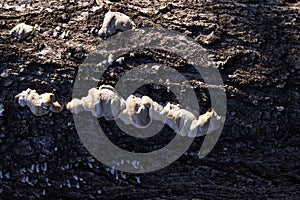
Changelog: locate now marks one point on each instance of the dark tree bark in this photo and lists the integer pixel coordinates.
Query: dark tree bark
(255, 45)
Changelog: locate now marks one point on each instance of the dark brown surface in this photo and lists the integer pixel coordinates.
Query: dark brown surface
(256, 46)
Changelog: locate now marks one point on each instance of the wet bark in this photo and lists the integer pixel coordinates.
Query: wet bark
(255, 45)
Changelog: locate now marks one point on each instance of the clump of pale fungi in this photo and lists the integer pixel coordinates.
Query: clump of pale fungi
(105, 102)
(22, 30)
(38, 104)
(113, 22)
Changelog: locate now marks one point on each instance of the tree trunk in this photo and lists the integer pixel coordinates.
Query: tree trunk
(254, 44)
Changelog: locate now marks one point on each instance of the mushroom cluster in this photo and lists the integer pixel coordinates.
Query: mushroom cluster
(140, 111)
(38, 104)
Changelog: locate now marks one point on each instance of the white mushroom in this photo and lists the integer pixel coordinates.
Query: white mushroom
(209, 122)
(182, 121)
(137, 111)
(113, 22)
(75, 106)
(102, 102)
(156, 111)
(22, 31)
(170, 112)
(111, 103)
(38, 104)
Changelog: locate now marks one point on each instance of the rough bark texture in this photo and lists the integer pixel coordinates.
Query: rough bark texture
(254, 43)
